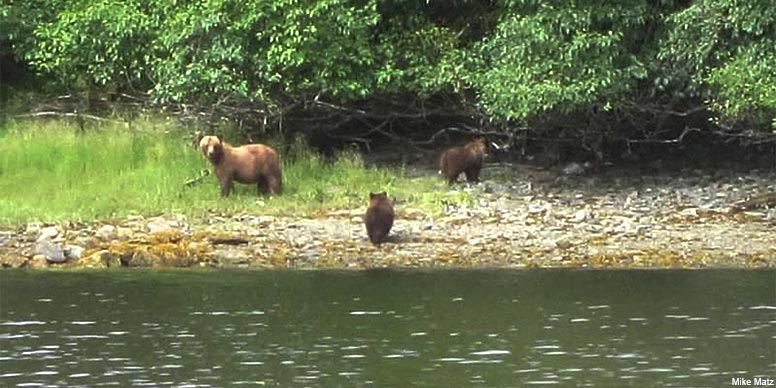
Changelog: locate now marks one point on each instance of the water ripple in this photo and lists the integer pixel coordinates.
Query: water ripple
(22, 323)
(494, 352)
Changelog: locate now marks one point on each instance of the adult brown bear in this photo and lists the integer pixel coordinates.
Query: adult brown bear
(379, 217)
(465, 159)
(251, 163)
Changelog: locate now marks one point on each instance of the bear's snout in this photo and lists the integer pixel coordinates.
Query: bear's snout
(213, 153)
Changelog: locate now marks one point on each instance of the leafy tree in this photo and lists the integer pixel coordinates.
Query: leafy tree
(619, 68)
(726, 51)
(96, 42)
(557, 56)
(18, 20)
(264, 49)
(746, 85)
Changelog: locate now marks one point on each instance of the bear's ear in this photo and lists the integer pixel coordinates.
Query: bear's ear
(203, 142)
(372, 195)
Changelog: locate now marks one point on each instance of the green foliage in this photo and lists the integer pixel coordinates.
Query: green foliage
(96, 42)
(53, 172)
(417, 56)
(730, 46)
(18, 20)
(557, 56)
(247, 49)
(746, 85)
(514, 60)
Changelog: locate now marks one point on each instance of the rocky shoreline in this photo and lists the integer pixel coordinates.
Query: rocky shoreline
(521, 217)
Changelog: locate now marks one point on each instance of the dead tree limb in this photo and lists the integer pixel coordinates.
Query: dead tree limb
(678, 139)
(195, 181)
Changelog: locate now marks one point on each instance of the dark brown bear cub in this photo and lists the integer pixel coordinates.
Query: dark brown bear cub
(465, 159)
(252, 163)
(379, 217)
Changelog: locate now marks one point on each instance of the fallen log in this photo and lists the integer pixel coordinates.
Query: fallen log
(759, 201)
(194, 181)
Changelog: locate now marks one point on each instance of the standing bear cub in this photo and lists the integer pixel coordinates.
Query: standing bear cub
(379, 217)
(465, 159)
(252, 163)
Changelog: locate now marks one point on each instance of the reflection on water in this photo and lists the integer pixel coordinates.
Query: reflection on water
(384, 328)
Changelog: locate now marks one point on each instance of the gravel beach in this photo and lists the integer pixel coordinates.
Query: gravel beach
(520, 217)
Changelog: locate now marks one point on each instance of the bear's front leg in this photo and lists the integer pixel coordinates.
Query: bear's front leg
(226, 186)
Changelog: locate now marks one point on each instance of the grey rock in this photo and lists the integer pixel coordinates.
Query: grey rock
(141, 259)
(582, 215)
(73, 252)
(33, 228)
(495, 188)
(52, 251)
(48, 233)
(5, 238)
(232, 257)
(37, 261)
(574, 168)
(539, 206)
(158, 225)
(106, 231)
(123, 232)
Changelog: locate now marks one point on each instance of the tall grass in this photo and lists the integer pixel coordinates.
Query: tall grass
(53, 172)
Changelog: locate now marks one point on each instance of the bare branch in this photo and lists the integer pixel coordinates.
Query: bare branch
(658, 110)
(668, 141)
(69, 114)
(194, 181)
(337, 107)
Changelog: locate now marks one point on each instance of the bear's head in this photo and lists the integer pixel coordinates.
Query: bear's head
(212, 147)
(478, 146)
(378, 198)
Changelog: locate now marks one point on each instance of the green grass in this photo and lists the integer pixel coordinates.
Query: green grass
(50, 172)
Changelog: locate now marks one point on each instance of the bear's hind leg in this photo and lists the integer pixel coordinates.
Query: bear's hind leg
(453, 177)
(262, 186)
(269, 185)
(274, 184)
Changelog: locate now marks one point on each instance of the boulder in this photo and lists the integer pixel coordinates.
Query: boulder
(51, 251)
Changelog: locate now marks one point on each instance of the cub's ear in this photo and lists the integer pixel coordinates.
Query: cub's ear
(384, 193)
(372, 195)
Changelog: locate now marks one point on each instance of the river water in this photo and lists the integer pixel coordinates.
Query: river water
(386, 328)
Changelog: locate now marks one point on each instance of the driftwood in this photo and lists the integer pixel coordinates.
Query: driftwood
(229, 241)
(759, 201)
(195, 181)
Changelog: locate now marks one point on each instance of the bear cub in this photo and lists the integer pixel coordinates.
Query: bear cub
(251, 163)
(465, 159)
(379, 217)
